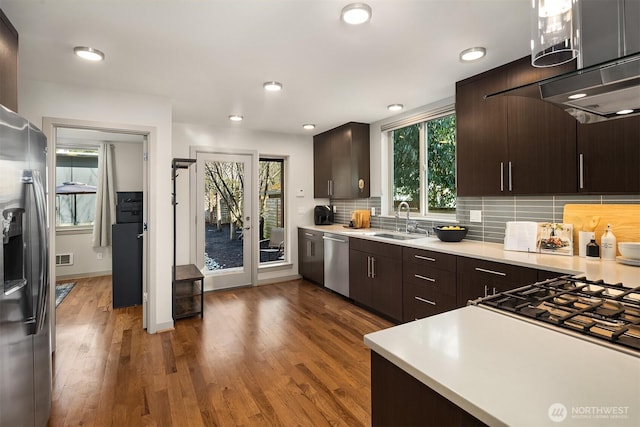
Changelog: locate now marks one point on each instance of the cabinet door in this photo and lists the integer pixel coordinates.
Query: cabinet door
(317, 259)
(541, 137)
(478, 278)
(386, 290)
(8, 63)
(359, 280)
(481, 146)
(609, 156)
(321, 165)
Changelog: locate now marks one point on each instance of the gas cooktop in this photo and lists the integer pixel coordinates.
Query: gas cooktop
(607, 313)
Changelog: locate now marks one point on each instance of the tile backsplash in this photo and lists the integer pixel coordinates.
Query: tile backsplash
(496, 211)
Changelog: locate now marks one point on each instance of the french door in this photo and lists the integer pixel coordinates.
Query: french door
(224, 239)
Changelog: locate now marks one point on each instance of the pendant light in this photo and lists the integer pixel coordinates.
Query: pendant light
(554, 32)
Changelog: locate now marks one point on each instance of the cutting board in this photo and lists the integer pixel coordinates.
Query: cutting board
(624, 220)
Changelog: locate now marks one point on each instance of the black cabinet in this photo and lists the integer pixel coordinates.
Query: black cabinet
(428, 283)
(479, 278)
(341, 162)
(126, 264)
(8, 63)
(513, 145)
(609, 157)
(399, 399)
(311, 255)
(375, 276)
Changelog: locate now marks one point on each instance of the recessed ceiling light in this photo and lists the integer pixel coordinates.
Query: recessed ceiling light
(395, 107)
(623, 112)
(577, 96)
(308, 126)
(356, 13)
(272, 86)
(236, 118)
(472, 54)
(88, 53)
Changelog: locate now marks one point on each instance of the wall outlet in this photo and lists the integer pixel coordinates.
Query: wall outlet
(373, 211)
(475, 216)
(98, 255)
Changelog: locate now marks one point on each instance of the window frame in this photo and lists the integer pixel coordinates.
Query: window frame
(387, 140)
(73, 229)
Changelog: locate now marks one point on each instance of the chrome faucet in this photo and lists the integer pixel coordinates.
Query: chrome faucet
(406, 205)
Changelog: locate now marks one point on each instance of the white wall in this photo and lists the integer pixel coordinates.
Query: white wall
(299, 176)
(40, 99)
(128, 177)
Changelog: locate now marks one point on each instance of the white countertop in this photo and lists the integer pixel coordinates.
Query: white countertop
(507, 371)
(609, 271)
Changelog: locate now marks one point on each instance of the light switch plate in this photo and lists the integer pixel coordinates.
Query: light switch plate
(475, 216)
(300, 192)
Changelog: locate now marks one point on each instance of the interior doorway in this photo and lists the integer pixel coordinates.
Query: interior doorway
(72, 138)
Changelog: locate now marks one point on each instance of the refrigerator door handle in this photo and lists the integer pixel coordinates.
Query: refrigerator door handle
(32, 177)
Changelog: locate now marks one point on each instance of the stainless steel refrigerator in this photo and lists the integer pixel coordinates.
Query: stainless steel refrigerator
(25, 347)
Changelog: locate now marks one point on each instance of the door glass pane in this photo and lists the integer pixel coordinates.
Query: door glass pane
(271, 199)
(224, 216)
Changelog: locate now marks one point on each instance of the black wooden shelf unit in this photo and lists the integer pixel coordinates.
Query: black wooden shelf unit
(188, 280)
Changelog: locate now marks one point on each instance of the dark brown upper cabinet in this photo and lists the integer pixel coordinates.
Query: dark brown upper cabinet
(8, 64)
(609, 157)
(341, 162)
(513, 145)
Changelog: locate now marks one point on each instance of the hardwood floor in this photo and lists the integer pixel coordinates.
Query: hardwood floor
(288, 354)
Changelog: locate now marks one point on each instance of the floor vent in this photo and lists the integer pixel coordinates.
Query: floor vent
(64, 259)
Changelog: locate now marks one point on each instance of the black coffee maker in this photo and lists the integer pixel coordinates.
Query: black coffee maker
(323, 215)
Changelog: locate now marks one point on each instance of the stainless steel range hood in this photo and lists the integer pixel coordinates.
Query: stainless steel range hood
(598, 90)
(608, 89)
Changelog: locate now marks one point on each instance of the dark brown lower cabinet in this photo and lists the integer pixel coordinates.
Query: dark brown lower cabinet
(428, 283)
(398, 399)
(311, 255)
(479, 278)
(375, 276)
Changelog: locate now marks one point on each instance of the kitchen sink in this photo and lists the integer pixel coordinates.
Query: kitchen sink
(398, 236)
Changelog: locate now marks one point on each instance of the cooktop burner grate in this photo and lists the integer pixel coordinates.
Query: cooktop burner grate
(609, 312)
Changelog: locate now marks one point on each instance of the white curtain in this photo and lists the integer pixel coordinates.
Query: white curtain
(105, 198)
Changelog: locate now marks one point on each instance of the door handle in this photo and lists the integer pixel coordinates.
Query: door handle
(510, 178)
(501, 176)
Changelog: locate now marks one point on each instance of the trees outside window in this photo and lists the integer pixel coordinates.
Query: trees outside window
(429, 188)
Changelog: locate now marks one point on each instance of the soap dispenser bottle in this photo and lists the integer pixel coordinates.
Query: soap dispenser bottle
(608, 244)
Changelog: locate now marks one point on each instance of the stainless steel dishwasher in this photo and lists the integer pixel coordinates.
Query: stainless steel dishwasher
(336, 263)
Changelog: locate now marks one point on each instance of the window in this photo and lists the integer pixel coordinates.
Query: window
(430, 142)
(76, 179)
(271, 200)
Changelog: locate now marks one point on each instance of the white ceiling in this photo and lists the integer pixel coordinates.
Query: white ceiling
(210, 57)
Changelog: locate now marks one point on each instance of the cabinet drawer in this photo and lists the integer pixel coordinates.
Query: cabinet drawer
(431, 278)
(511, 275)
(376, 248)
(421, 301)
(430, 259)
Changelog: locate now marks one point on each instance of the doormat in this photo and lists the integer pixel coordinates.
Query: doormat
(62, 290)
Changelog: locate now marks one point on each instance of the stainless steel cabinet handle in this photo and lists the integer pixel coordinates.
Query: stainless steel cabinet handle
(486, 291)
(510, 178)
(497, 273)
(373, 267)
(424, 258)
(425, 300)
(501, 176)
(494, 291)
(581, 170)
(368, 266)
(309, 234)
(418, 276)
(309, 248)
